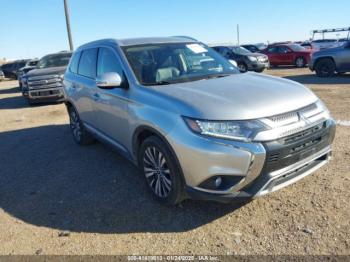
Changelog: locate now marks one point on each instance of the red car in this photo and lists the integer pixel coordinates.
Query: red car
(288, 54)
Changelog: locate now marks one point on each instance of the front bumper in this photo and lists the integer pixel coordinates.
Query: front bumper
(311, 65)
(261, 168)
(257, 66)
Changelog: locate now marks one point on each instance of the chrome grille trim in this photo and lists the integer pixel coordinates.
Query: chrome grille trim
(42, 77)
(46, 81)
(289, 123)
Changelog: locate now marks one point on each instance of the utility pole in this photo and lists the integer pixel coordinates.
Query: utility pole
(237, 34)
(66, 11)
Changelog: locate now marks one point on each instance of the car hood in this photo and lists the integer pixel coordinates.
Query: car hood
(328, 51)
(47, 71)
(257, 55)
(238, 97)
(27, 68)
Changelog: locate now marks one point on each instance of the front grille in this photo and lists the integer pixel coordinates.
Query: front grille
(300, 135)
(41, 82)
(286, 151)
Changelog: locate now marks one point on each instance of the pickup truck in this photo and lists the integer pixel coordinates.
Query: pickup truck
(44, 84)
(327, 62)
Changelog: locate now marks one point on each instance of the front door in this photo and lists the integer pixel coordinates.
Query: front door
(111, 105)
(344, 58)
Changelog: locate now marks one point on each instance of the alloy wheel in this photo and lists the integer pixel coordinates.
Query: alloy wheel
(157, 171)
(326, 69)
(242, 68)
(300, 62)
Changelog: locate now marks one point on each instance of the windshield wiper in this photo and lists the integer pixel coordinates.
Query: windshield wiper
(216, 76)
(159, 83)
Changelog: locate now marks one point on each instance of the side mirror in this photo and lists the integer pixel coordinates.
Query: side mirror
(233, 62)
(109, 80)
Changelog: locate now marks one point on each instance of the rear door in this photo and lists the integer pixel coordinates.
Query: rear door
(80, 83)
(285, 56)
(272, 53)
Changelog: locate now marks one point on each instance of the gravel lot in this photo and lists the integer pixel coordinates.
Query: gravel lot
(59, 198)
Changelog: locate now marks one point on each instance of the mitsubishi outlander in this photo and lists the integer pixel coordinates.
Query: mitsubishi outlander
(194, 125)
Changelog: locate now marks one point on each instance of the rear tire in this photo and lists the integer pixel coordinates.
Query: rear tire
(80, 135)
(325, 68)
(161, 171)
(260, 70)
(300, 62)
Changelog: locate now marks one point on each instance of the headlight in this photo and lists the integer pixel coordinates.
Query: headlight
(252, 58)
(242, 130)
(62, 76)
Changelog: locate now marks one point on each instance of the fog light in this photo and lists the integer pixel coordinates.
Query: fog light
(218, 181)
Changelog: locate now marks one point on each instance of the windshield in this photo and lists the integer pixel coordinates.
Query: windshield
(297, 48)
(32, 63)
(240, 50)
(54, 60)
(158, 64)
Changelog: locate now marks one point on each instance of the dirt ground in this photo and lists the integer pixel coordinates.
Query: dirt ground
(59, 198)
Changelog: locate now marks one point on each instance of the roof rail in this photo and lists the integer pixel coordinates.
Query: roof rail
(186, 37)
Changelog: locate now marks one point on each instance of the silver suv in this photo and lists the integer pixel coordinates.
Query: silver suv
(192, 123)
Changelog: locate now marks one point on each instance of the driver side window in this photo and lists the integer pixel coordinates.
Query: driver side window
(108, 62)
(226, 52)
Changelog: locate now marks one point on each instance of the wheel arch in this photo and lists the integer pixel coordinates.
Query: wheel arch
(325, 57)
(141, 134)
(69, 104)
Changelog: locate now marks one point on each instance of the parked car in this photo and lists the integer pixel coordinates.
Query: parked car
(329, 61)
(44, 84)
(191, 122)
(306, 45)
(10, 69)
(2, 76)
(30, 65)
(246, 60)
(290, 54)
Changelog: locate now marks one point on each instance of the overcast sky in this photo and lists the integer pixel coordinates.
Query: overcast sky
(33, 28)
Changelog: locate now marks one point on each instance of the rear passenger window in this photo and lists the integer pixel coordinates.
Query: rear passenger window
(87, 64)
(272, 50)
(74, 64)
(108, 62)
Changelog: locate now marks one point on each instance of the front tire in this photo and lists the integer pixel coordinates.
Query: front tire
(242, 67)
(325, 68)
(80, 135)
(161, 170)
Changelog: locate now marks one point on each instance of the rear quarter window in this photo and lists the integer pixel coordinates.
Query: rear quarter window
(75, 62)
